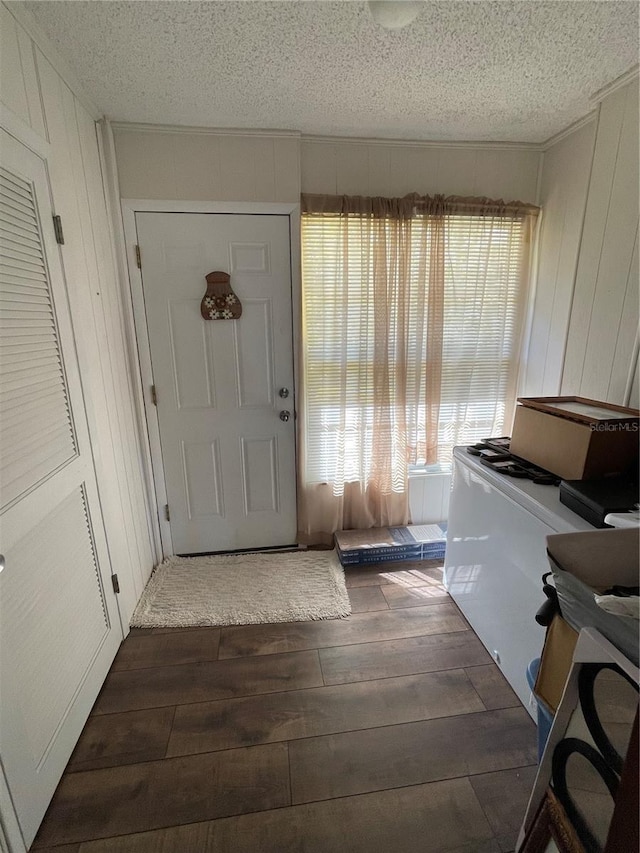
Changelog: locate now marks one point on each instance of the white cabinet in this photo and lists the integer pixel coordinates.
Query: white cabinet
(496, 556)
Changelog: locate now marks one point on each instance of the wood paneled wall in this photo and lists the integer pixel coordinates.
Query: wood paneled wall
(604, 314)
(563, 195)
(221, 166)
(19, 85)
(585, 319)
(340, 166)
(211, 165)
(42, 103)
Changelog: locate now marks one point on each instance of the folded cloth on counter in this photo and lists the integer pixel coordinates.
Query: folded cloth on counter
(628, 606)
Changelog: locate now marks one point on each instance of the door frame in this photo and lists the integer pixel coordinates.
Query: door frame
(148, 422)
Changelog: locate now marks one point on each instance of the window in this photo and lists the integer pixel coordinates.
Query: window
(413, 324)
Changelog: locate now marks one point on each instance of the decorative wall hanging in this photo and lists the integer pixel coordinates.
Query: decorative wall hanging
(219, 301)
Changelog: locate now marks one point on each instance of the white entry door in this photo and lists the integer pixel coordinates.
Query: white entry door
(59, 626)
(224, 388)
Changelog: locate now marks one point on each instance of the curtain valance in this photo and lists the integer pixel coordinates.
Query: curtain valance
(411, 205)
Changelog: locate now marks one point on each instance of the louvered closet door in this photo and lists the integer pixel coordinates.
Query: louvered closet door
(59, 627)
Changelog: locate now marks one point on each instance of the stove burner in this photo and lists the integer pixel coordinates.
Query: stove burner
(494, 453)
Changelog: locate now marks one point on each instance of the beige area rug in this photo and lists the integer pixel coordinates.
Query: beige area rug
(244, 589)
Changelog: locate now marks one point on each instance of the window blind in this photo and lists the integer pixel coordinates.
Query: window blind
(484, 298)
(479, 289)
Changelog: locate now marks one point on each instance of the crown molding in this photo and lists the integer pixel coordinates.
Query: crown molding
(140, 127)
(422, 143)
(28, 22)
(624, 79)
(581, 122)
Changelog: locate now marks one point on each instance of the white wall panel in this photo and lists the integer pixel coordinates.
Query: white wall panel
(108, 313)
(429, 497)
(352, 169)
(604, 312)
(393, 169)
(628, 331)
(146, 167)
(319, 169)
(222, 166)
(91, 286)
(181, 177)
(199, 165)
(247, 168)
(18, 80)
(286, 158)
(563, 195)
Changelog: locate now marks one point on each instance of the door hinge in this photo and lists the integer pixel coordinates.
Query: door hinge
(167, 515)
(57, 228)
(114, 581)
(138, 258)
(154, 395)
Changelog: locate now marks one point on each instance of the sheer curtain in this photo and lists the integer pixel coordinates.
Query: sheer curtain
(412, 317)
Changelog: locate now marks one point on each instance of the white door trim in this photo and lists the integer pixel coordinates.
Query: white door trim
(150, 428)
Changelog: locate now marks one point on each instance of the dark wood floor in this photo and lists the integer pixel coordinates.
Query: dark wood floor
(387, 732)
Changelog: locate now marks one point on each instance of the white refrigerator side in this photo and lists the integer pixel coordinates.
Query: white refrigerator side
(496, 556)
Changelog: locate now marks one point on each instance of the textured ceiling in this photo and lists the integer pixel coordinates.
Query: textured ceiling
(518, 71)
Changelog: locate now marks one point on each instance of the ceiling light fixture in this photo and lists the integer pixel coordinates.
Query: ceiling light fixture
(394, 14)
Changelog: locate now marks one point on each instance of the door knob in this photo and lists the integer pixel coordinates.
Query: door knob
(284, 393)
(1, 562)
(285, 415)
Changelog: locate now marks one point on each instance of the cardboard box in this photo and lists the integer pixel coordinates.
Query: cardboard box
(576, 438)
(557, 657)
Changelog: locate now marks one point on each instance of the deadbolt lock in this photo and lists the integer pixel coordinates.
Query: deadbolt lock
(284, 393)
